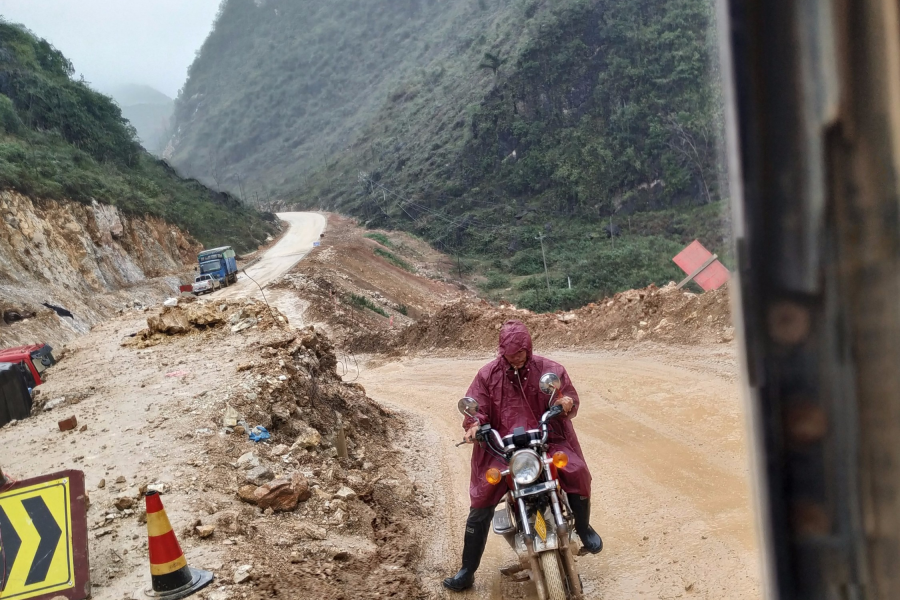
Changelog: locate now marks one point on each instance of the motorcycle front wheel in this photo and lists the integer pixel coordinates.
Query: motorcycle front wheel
(556, 589)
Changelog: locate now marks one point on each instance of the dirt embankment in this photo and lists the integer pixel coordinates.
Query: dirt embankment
(89, 259)
(385, 293)
(353, 283)
(666, 315)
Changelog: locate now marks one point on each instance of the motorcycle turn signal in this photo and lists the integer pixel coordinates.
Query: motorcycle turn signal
(560, 460)
(493, 476)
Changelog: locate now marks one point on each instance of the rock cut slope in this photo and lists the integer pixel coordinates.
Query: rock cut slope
(92, 260)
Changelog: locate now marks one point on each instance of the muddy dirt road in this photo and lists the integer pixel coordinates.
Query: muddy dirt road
(663, 433)
(305, 229)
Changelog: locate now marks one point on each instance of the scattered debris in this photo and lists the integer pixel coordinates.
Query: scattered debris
(231, 417)
(62, 312)
(259, 433)
(345, 493)
(242, 574)
(14, 316)
(68, 424)
(283, 495)
(51, 404)
(259, 475)
(204, 531)
(280, 450)
(197, 316)
(248, 460)
(123, 502)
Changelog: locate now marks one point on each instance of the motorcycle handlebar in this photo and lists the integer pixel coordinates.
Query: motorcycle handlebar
(491, 437)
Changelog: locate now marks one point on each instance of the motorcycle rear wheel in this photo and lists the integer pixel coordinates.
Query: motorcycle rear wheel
(556, 589)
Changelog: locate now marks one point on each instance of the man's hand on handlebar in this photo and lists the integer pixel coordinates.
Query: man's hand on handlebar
(470, 434)
(567, 403)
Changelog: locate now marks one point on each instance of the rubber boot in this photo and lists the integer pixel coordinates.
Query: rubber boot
(581, 508)
(477, 528)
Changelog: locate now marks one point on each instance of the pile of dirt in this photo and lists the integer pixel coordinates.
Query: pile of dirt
(350, 284)
(192, 316)
(326, 472)
(322, 507)
(667, 315)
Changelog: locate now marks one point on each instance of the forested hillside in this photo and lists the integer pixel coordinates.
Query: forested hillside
(478, 124)
(59, 139)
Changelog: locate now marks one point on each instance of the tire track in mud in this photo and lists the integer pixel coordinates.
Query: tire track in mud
(664, 438)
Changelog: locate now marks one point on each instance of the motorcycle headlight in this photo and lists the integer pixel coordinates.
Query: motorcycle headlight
(525, 467)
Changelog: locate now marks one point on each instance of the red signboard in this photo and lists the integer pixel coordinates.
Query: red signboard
(692, 259)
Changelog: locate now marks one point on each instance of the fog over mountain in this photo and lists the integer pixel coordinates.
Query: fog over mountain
(114, 43)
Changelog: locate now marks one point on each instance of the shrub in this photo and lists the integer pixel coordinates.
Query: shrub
(364, 303)
(496, 281)
(395, 260)
(380, 238)
(527, 262)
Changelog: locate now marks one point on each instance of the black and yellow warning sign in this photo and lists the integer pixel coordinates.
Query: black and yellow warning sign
(43, 550)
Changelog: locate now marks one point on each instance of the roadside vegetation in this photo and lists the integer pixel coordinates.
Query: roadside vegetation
(59, 139)
(381, 239)
(395, 260)
(363, 303)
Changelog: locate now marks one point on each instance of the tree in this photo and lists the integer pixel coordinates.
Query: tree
(492, 62)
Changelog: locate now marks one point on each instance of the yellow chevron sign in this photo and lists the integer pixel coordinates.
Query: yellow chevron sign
(36, 550)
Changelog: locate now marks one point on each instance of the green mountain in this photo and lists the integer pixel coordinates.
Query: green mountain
(478, 124)
(60, 139)
(149, 111)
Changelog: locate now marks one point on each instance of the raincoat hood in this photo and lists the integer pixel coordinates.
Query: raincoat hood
(508, 399)
(514, 336)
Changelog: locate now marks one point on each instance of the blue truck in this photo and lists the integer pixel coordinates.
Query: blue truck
(219, 263)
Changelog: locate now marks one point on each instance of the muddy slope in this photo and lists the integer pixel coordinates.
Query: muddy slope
(89, 259)
(666, 315)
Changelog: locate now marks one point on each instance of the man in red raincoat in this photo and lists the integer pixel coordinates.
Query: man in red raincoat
(509, 396)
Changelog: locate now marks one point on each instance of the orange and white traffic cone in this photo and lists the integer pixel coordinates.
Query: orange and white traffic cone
(170, 574)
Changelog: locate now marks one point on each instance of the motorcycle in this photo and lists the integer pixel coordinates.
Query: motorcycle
(535, 517)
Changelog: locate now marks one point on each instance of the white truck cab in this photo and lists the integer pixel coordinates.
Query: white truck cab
(205, 284)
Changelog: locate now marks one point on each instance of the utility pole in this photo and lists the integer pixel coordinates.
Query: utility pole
(241, 187)
(540, 238)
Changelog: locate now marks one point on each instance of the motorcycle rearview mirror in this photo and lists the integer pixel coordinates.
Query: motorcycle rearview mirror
(550, 383)
(468, 406)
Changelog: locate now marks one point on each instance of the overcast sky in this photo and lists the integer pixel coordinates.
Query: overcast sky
(115, 42)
